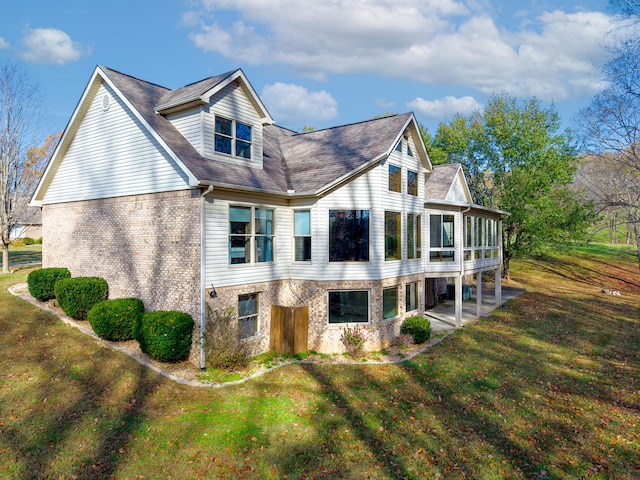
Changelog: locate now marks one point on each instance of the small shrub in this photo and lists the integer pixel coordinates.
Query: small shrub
(353, 339)
(164, 335)
(223, 347)
(418, 327)
(41, 282)
(76, 296)
(114, 319)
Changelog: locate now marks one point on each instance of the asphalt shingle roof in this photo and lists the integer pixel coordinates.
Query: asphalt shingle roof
(440, 181)
(304, 162)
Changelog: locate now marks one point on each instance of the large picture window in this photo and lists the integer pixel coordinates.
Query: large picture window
(348, 235)
(302, 235)
(441, 238)
(392, 236)
(414, 236)
(395, 179)
(250, 226)
(412, 183)
(248, 306)
(232, 137)
(349, 306)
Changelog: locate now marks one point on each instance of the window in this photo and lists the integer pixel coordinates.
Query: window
(348, 235)
(250, 226)
(389, 302)
(349, 306)
(409, 150)
(302, 235)
(399, 146)
(412, 183)
(411, 296)
(414, 236)
(392, 236)
(395, 179)
(441, 238)
(232, 137)
(248, 315)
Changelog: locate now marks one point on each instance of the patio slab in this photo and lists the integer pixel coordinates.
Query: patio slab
(443, 316)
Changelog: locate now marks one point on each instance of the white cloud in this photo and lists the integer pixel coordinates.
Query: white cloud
(51, 45)
(3, 43)
(444, 108)
(289, 103)
(442, 42)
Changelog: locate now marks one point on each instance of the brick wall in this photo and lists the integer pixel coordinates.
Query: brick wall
(322, 336)
(145, 246)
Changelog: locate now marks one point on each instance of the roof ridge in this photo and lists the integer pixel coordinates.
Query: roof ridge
(224, 75)
(353, 123)
(132, 77)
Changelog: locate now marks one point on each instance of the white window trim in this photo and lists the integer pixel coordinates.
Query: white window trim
(348, 324)
(293, 220)
(234, 138)
(252, 236)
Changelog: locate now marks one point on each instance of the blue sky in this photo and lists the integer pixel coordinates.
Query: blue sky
(319, 62)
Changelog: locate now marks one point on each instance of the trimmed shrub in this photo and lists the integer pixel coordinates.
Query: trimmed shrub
(164, 335)
(42, 281)
(115, 319)
(76, 296)
(418, 327)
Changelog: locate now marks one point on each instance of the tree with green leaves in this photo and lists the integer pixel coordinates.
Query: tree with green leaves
(516, 160)
(20, 103)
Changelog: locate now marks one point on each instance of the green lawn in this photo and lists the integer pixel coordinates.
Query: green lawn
(546, 388)
(26, 254)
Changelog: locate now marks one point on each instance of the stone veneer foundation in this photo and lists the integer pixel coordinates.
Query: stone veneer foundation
(323, 337)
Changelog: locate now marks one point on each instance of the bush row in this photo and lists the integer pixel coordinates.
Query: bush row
(163, 335)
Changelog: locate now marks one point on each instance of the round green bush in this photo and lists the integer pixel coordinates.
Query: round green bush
(76, 296)
(41, 282)
(114, 319)
(164, 335)
(417, 326)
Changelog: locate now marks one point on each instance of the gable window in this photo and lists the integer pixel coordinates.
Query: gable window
(409, 150)
(441, 239)
(411, 296)
(389, 302)
(248, 306)
(399, 146)
(392, 236)
(412, 183)
(250, 235)
(395, 179)
(302, 235)
(232, 137)
(414, 236)
(349, 306)
(348, 235)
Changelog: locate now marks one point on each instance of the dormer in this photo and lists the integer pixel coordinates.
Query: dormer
(221, 116)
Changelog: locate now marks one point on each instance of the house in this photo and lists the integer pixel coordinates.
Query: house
(193, 197)
(27, 222)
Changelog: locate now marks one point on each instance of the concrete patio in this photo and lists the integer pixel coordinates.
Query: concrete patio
(442, 317)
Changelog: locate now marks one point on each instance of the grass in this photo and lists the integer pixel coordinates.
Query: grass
(24, 254)
(545, 388)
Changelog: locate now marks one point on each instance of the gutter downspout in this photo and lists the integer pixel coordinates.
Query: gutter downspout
(203, 302)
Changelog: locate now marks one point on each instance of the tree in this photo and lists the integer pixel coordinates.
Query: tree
(20, 102)
(517, 161)
(610, 125)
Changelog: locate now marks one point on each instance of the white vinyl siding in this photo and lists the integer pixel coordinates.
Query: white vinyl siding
(218, 269)
(113, 155)
(233, 103)
(189, 124)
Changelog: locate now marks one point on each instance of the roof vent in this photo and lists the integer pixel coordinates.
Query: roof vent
(106, 102)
